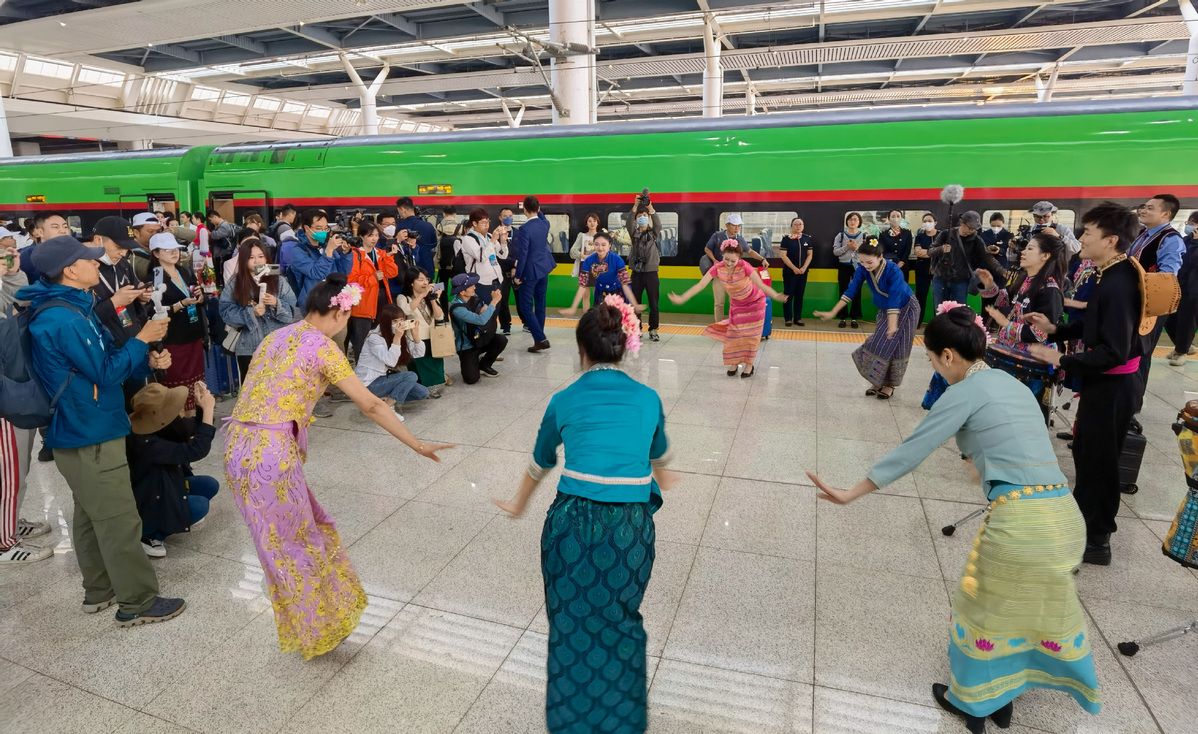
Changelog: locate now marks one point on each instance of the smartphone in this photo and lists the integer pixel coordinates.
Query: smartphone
(9, 261)
(157, 277)
(268, 269)
(438, 287)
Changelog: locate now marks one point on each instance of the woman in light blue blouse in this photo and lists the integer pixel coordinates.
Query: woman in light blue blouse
(1016, 620)
(597, 548)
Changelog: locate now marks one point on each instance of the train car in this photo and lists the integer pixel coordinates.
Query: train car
(88, 186)
(768, 169)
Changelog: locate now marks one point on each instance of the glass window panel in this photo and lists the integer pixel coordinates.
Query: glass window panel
(669, 231)
(762, 230)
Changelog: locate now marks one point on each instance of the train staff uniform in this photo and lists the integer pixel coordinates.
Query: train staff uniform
(1160, 249)
(1108, 369)
(797, 253)
(955, 255)
(897, 242)
(534, 263)
(998, 240)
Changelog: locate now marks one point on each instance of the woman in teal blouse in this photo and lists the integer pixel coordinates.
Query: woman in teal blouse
(597, 548)
(1016, 619)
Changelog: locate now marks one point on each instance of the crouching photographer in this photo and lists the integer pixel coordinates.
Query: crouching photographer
(477, 344)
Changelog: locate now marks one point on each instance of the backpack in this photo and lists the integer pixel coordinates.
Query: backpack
(459, 258)
(479, 336)
(23, 400)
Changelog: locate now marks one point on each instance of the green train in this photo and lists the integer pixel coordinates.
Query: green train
(768, 169)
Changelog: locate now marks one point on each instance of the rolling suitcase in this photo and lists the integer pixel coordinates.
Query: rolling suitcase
(1130, 460)
(220, 371)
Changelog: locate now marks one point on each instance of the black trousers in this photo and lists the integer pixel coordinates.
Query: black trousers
(923, 284)
(359, 329)
(505, 306)
(844, 274)
(444, 275)
(1150, 341)
(649, 284)
(793, 285)
(473, 360)
(1181, 326)
(1104, 414)
(243, 365)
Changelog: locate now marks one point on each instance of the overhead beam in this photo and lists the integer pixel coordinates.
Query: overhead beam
(488, 12)
(400, 23)
(178, 52)
(243, 43)
(924, 21)
(1037, 9)
(313, 33)
(1146, 8)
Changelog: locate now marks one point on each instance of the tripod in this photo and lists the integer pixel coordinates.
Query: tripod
(1133, 647)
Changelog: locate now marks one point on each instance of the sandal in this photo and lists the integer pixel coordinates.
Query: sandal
(885, 395)
(871, 392)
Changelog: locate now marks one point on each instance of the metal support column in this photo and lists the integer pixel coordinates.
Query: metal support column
(5, 139)
(367, 95)
(572, 73)
(713, 74)
(1190, 16)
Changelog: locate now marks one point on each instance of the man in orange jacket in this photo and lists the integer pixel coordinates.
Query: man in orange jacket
(372, 266)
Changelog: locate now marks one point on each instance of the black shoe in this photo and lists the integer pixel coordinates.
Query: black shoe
(854, 324)
(539, 346)
(1002, 717)
(161, 610)
(488, 371)
(45, 454)
(1135, 426)
(1098, 550)
(748, 373)
(975, 724)
(841, 325)
(789, 324)
(732, 372)
(799, 323)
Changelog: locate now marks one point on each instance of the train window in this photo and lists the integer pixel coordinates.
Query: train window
(669, 231)
(559, 232)
(762, 230)
(1013, 218)
(76, 225)
(875, 222)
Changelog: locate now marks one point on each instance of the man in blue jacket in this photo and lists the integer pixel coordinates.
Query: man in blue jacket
(318, 253)
(534, 263)
(87, 431)
(426, 235)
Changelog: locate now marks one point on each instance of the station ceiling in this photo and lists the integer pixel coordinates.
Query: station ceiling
(460, 64)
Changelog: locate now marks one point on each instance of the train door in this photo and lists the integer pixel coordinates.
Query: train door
(131, 204)
(233, 206)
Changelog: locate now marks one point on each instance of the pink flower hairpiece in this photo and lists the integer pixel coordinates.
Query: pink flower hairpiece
(629, 323)
(946, 306)
(728, 244)
(350, 296)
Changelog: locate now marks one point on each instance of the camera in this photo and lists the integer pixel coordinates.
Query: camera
(644, 197)
(353, 241)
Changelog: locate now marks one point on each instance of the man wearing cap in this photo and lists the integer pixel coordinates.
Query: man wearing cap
(731, 231)
(145, 226)
(121, 304)
(955, 254)
(1043, 212)
(467, 315)
(87, 432)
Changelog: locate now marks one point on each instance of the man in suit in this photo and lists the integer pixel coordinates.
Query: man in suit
(534, 263)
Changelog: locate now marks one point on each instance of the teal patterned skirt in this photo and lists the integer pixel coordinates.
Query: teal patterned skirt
(596, 559)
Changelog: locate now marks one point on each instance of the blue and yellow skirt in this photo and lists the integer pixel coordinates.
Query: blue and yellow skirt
(1017, 622)
(596, 559)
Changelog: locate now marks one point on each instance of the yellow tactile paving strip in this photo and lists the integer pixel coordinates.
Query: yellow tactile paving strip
(797, 335)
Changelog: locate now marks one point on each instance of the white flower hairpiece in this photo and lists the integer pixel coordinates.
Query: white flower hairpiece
(350, 296)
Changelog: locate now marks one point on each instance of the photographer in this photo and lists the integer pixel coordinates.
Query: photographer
(391, 345)
(318, 253)
(420, 301)
(426, 234)
(480, 257)
(185, 336)
(372, 265)
(645, 254)
(122, 303)
(256, 311)
(474, 335)
(956, 254)
(1043, 212)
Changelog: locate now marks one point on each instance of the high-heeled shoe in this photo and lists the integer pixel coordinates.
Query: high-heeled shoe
(748, 373)
(732, 372)
(1002, 717)
(975, 724)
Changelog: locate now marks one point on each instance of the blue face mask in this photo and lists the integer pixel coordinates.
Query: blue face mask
(642, 221)
(321, 237)
(507, 221)
(1189, 229)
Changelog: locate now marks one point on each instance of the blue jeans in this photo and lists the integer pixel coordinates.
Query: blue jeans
(399, 386)
(532, 306)
(948, 290)
(200, 490)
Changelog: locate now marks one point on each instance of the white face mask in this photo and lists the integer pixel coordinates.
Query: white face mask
(929, 226)
(389, 230)
(106, 259)
(996, 230)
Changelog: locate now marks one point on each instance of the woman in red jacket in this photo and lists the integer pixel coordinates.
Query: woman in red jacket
(372, 265)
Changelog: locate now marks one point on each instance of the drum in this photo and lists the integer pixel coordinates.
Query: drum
(1181, 543)
(1037, 375)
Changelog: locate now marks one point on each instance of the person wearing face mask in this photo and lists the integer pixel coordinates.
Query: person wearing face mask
(998, 239)
(256, 304)
(501, 239)
(896, 241)
(122, 303)
(392, 344)
(921, 261)
(644, 257)
(956, 254)
(426, 234)
(507, 230)
(163, 443)
(315, 256)
(797, 253)
(1044, 212)
(845, 247)
(372, 265)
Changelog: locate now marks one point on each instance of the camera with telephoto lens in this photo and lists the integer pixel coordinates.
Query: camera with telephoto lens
(353, 241)
(1021, 237)
(644, 198)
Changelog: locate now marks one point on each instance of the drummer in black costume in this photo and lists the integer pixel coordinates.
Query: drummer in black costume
(1108, 368)
(1036, 289)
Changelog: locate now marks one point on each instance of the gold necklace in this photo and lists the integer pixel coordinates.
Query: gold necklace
(1116, 259)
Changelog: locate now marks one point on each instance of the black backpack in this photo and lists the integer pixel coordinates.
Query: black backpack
(23, 400)
(479, 336)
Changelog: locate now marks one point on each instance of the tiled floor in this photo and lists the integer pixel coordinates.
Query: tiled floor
(767, 612)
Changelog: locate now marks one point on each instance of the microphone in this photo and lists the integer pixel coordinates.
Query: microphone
(952, 194)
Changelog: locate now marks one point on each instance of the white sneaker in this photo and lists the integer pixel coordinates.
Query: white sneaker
(1177, 360)
(398, 414)
(27, 529)
(21, 554)
(1192, 351)
(153, 548)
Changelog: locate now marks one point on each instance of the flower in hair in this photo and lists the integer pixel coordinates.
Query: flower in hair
(350, 296)
(946, 306)
(629, 323)
(728, 244)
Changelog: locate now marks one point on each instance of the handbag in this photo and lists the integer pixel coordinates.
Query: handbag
(441, 343)
(232, 336)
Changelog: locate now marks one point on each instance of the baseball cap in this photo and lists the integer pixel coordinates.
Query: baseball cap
(462, 281)
(971, 219)
(116, 229)
(4, 232)
(1043, 207)
(164, 241)
(144, 218)
(735, 219)
(59, 253)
